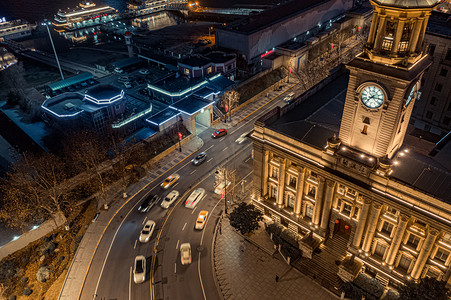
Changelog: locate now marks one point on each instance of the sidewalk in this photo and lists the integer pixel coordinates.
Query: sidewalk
(76, 275)
(247, 272)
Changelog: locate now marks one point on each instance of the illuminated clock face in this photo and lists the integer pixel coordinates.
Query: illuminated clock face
(410, 97)
(372, 97)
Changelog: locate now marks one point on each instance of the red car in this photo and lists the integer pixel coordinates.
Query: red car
(218, 133)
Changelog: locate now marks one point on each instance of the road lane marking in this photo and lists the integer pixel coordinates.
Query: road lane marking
(225, 149)
(184, 227)
(194, 210)
(134, 247)
(144, 221)
(248, 159)
(175, 267)
(193, 171)
(222, 139)
(130, 285)
(177, 246)
(175, 185)
(210, 159)
(209, 148)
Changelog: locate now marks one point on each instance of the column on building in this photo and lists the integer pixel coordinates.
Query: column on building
(361, 224)
(327, 205)
(319, 201)
(424, 253)
(397, 39)
(265, 171)
(300, 191)
(415, 34)
(421, 34)
(371, 227)
(380, 33)
(373, 27)
(281, 188)
(397, 239)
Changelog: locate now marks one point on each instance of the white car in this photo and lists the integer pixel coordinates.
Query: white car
(147, 231)
(185, 253)
(139, 269)
(144, 71)
(194, 198)
(169, 199)
(201, 220)
(127, 85)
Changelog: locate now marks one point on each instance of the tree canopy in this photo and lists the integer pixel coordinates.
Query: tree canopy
(245, 218)
(427, 289)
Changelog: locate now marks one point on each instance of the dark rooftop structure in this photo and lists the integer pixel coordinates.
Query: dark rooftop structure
(103, 93)
(219, 57)
(271, 16)
(191, 104)
(194, 61)
(439, 23)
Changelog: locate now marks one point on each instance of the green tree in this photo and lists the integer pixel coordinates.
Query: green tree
(426, 289)
(245, 218)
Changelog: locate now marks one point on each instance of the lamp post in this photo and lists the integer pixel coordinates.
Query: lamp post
(46, 24)
(180, 135)
(222, 176)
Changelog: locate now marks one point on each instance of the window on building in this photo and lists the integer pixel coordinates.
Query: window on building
(404, 262)
(275, 172)
(448, 54)
(387, 43)
(438, 87)
(355, 215)
(429, 114)
(273, 192)
(341, 189)
(433, 101)
(366, 120)
(380, 250)
(209, 70)
(346, 209)
(441, 255)
(403, 46)
(387, 228)
(186, 71)
(309, 211)
(293, 181)
(314, 175)
(431, 49)
(350, 192)
(312, 191)
(413, 241)
(365, 129)
(443, 72)
(446, 121)
(433, 273)
(291, 200)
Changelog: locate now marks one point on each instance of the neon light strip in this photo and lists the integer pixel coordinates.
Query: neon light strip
(182, 92)
(288, 150)
(193, 112)
(105, 101)
(61, 116)
(86, 11)
(152, 122)
(125, 122)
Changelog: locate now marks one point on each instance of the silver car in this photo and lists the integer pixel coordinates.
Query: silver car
(169, 199)
(147, 231)
(185, 253)
(139, 269)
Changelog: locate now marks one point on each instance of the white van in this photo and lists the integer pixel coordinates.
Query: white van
(195, 198)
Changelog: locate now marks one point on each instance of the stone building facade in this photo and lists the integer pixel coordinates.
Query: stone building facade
(391, 204)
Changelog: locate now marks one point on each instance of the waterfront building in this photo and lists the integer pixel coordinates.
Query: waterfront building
(347, 175)
(254, 36)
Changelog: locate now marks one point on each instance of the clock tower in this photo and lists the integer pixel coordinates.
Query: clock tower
(385, 78)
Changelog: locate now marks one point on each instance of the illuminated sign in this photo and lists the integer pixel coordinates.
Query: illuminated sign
(267, 53)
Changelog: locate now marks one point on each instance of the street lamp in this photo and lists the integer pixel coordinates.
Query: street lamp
(46, 24)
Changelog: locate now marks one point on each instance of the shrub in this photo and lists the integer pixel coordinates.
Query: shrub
(43, 274)
(391, 294)
(370, 285)
(27, 291)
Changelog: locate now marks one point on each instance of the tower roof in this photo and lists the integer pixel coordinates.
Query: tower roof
(407, 3)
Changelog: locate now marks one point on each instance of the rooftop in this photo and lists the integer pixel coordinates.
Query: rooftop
(219, 57)
(268, 17)
(64, 105)
(194, 61)
(317, 118)
(191, 104)
(439, 23)
(104, 92)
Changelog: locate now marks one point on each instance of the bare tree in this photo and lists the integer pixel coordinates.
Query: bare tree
(229, 100)
(226, 177)
(34, 190)
(88, 150)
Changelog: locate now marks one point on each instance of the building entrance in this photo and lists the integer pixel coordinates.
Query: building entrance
(202, 121)
(342, 228)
